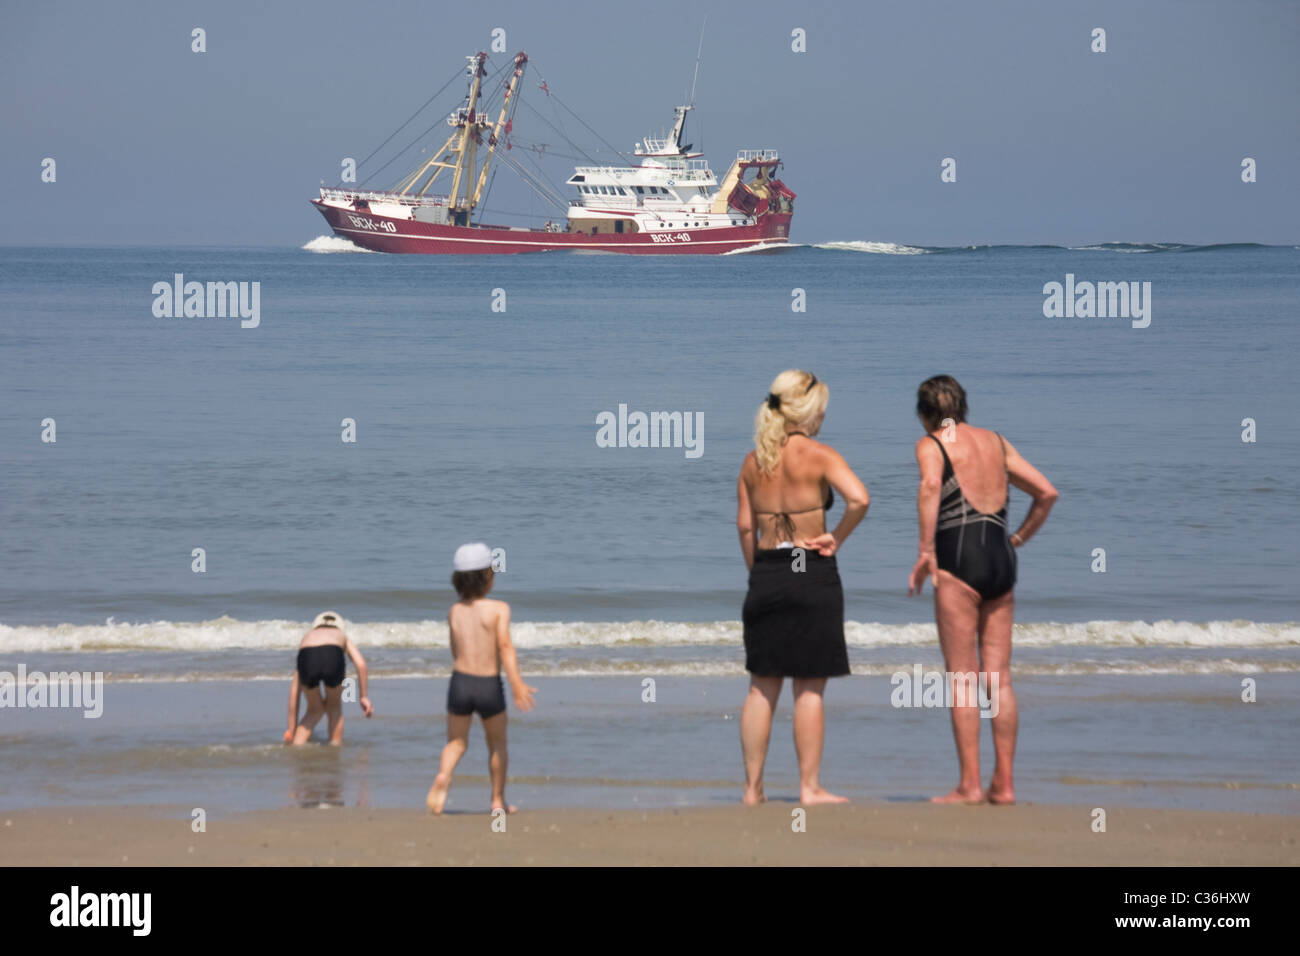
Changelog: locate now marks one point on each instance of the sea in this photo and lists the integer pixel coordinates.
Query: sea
(181, 494)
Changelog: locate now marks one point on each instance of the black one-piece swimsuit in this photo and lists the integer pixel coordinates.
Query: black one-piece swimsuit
(973, 545)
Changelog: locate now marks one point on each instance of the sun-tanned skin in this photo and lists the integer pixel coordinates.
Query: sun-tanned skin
(975, 634)
(806, 467)
(331, 704)
(480, 646)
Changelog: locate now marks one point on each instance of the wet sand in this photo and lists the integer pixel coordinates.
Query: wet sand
(890, 834)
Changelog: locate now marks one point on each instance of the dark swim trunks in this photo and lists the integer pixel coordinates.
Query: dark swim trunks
(324, 662)
(467, 695)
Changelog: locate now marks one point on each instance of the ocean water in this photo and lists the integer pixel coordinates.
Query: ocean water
(621, 563)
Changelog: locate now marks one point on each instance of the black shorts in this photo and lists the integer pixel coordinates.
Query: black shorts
(324, 662)
(468, 695)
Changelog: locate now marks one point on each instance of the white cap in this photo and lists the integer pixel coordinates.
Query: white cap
(472, 557)
(327, 619)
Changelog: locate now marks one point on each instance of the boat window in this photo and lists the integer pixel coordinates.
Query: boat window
(640, 191)
(620, 191)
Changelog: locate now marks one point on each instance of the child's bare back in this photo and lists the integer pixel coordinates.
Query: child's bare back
(476, 627)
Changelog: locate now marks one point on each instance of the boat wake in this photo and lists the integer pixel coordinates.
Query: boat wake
(879, 248)
(333, 244)
(900, 249)
(764, 247)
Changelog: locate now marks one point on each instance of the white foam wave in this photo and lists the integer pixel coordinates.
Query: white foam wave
(227, 633)
(333, 244)
(1129, 247)
(880, 248)
(764, 247)
(735, 668)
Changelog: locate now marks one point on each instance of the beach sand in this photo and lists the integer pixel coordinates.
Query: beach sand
(897, 834)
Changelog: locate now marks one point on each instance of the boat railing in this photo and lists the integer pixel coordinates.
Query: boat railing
(652, 145)
(700, 173)
(403, 199)
(759, 155)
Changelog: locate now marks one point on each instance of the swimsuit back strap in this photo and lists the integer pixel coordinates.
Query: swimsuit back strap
(947, 464)
(803, 512)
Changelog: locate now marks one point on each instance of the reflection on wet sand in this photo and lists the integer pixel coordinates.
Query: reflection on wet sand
(319, 772)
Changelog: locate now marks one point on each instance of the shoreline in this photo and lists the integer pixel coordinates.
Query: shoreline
(861, 834)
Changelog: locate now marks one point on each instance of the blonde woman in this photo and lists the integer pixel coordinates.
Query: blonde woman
(794, 611)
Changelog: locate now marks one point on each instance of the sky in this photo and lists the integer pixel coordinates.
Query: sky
(155, 144)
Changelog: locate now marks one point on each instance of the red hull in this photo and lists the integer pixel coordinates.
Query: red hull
(385, 234)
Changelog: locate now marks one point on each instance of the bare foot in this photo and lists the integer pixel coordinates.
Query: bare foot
(820, 795)
(437, 797)
(508, 808)
(961, 796)
(753, 797)
(1002, 797)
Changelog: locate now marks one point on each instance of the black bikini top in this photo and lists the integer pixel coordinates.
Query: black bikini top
(785, 523)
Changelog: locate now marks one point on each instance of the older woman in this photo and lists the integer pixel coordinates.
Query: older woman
(794, 611)
(967, 554)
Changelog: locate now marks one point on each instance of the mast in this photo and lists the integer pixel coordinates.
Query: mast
(502, 125)
(457, 153)
(460, 152)
(679, 126)
(469, 124)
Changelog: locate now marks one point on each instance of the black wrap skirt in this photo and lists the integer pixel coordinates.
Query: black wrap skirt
(794, 619)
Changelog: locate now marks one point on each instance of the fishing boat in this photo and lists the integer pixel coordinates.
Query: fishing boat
(669, 202)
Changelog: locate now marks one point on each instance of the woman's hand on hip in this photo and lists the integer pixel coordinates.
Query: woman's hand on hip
(824, 544)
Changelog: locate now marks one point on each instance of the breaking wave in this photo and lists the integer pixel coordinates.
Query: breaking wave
(228, 633)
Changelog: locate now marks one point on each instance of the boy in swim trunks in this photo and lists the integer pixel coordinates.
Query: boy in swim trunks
(321, 661)
(480, 648)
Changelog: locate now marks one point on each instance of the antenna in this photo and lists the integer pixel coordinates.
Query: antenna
(697, 59)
